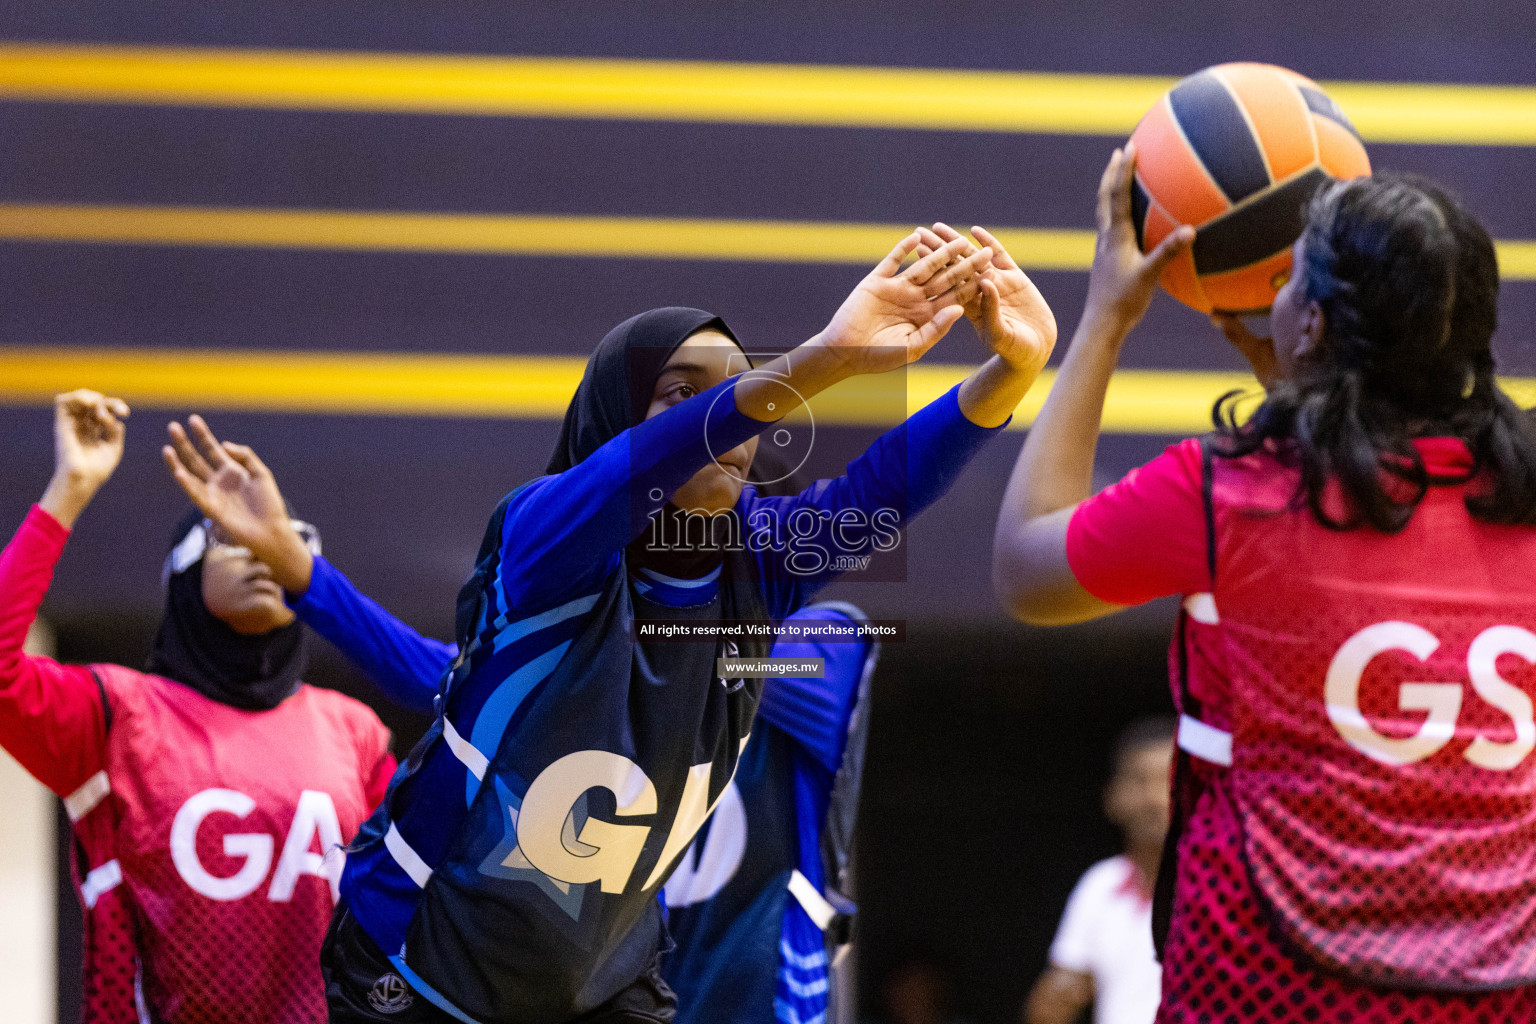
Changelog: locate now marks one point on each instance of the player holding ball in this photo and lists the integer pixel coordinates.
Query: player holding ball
(1355, 800)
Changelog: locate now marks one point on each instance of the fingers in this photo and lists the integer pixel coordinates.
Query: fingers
(1000, 258)
(924, 269)
(186, 454)
(194, 486)
(206, 443)
(109, 414)
(891, 265)
(946, 232)
(1121, 210)
(77, 400)
(929, 334)
(929, 241)
(1231, 327)
(1105, 209)
(936, 238)
(113, 430)
(1236, 331)
(957, 275)
(247, 459)
(1260, 352)
(93, 416)
(991, 308)
(965, 293)
(1167, 249)
(85, 402)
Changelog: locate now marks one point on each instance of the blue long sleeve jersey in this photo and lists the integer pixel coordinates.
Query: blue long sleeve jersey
(406, 666)
(564, 533)
(563, 538)
(814, 713)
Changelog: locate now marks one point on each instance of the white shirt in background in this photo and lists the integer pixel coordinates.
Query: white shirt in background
(1106, 932)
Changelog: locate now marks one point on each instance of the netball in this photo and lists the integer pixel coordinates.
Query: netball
(1237, 151)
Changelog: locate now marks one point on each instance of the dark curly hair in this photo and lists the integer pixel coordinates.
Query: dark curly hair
(1408, 285)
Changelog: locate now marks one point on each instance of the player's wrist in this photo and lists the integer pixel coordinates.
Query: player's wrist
(292, 565)
(68, 493)
(1105, 324)
(830, 357)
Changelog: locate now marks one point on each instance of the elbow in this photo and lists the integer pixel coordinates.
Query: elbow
(1023, 605)
(1033, 582)
(1011, 583)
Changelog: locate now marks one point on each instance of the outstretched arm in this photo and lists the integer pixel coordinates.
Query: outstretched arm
(235, 489)
(805, 541)
(1055, 469)
(402, 663)
(562, 532)
(52, 718)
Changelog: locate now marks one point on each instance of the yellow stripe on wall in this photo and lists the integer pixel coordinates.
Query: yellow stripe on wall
(530, 387)
(776, 241)
(503, 387)
(525, 387)
(989, 101)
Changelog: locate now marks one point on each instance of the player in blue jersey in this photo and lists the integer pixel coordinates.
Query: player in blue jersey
(757, 906)
(511, 873)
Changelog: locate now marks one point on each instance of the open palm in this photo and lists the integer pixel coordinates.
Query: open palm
(238, 492)
(895, 316)
(1008, 311)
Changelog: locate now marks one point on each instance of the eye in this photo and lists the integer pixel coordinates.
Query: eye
(682, 391)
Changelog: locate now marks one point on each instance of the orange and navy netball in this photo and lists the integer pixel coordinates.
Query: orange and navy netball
(1237, 151)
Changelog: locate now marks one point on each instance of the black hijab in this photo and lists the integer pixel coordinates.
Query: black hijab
(614, 394)
(253, 673)
(615, 390)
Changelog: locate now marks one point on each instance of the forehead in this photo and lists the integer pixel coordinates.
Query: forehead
(710, 351)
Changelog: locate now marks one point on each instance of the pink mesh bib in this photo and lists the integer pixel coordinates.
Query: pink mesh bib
(1382, 762)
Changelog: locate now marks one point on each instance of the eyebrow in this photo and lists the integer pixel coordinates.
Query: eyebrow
(684, 368)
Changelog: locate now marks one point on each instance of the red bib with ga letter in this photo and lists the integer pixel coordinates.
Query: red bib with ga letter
(211, 841)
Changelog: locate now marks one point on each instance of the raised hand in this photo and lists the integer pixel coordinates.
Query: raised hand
(1009, 313)
(88, 434)
(238, 492)
(895, 315)
(1122, 280)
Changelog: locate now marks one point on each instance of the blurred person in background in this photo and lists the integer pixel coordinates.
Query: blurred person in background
(1103, 951)
(29, 882)
(916, 991)
(207, 795)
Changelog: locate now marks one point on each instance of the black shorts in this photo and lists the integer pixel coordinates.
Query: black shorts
(363, 987)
